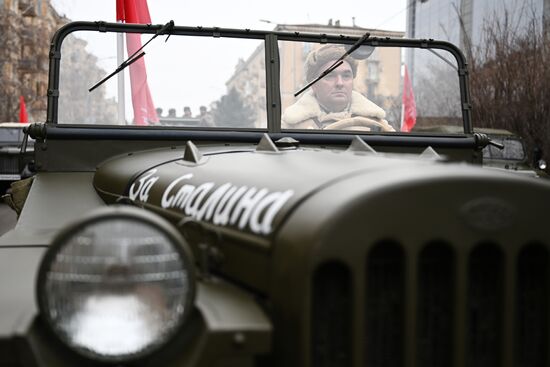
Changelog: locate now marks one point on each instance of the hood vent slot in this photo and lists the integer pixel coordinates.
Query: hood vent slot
(385, 305)
(531, 337)
(331, 316)
(435, 311)
(484, 305)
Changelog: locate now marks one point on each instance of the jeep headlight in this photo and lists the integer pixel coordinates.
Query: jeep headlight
(117, 285)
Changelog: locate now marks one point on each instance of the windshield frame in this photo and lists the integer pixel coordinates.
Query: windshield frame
(271, 38)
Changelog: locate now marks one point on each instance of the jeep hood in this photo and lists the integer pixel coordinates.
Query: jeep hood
(244, 189)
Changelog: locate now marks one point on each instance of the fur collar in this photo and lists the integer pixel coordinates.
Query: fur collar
(307, 108)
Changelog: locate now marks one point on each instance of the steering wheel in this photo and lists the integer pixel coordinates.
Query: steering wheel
(359, 123)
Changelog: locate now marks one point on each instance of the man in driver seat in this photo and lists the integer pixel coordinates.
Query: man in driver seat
(331, 103)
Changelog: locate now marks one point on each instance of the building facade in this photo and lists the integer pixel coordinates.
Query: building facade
(463, 22)
(26, 27)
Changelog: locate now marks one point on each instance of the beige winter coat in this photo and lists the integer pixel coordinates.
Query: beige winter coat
(362, 115)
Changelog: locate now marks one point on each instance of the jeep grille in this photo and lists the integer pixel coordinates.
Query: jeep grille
(9, 164)
(434, 307)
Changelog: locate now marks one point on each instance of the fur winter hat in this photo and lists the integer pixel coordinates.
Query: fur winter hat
(319, 57)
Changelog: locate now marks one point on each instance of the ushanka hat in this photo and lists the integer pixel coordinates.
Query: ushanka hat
(324, 54)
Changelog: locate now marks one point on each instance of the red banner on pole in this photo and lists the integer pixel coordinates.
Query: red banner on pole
(120, 10)
(408, 114)
(23, 116)
(137, 11)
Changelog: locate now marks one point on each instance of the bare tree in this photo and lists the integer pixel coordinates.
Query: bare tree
(510, 82)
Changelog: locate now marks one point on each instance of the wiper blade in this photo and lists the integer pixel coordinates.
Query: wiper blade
(117, 70)
(166, 29)
(336, 63)
(323, 74)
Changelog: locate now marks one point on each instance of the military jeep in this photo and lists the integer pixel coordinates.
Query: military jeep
(240, 241)
(13, 162)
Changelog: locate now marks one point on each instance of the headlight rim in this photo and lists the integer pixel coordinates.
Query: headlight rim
(105, 214)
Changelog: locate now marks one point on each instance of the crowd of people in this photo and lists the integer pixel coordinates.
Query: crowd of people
(204, 117)
(172, 113)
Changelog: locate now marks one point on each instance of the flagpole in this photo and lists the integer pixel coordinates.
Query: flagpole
(402, 100)
(121, 94)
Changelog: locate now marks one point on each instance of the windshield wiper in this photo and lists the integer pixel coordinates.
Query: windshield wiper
(336, 63)
(166, 29)
(121, 67)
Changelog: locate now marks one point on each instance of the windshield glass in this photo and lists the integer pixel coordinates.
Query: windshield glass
(185, 81)
(212, 82)
(385, 89)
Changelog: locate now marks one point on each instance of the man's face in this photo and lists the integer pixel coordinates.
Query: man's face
(334, 90)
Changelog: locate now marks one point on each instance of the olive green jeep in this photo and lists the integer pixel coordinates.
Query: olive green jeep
(296, 221)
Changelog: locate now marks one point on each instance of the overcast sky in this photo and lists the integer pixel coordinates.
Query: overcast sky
(388, 14)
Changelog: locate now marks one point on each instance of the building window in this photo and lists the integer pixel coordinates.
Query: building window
(372, 71)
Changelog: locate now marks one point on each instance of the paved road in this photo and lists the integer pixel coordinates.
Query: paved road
(7, 218)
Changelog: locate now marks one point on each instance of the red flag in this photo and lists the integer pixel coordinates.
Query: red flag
(408, 113)
(137, 11)
(120, 10)
(23, 116)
